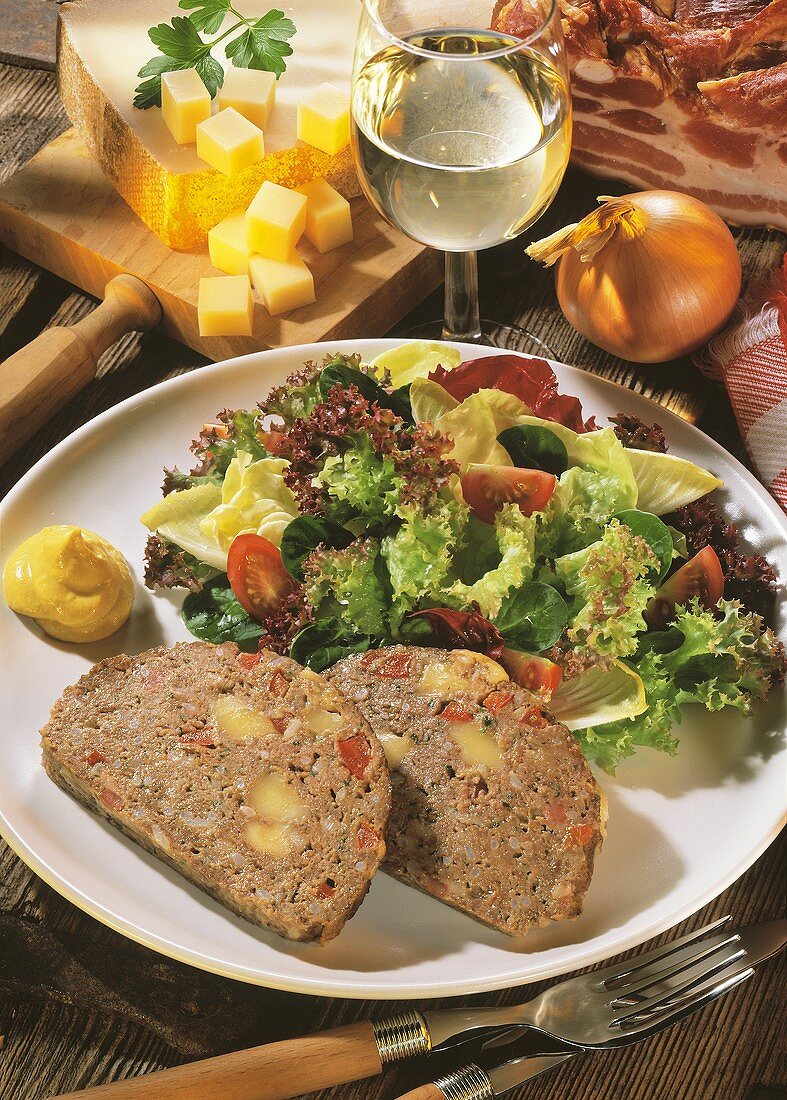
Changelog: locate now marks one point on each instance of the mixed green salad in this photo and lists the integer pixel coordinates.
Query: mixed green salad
(429, 501)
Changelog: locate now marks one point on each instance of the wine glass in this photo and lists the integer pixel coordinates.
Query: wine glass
(461, 135)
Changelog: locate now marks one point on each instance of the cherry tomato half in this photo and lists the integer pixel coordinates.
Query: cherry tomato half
(701, 576)
(487, 488)
(257, 574)
(537, 674)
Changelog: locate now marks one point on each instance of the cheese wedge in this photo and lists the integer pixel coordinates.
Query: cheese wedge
(102, 46)
(324, 118)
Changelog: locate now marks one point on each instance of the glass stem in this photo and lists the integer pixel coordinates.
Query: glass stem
(461, 319)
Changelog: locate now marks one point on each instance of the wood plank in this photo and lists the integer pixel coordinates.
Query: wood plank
(61, 212)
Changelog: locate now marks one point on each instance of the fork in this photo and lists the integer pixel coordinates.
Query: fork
(615, 1006)
(611, 1007)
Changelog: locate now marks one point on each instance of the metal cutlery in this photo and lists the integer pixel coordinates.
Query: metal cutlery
(617, 1006)
(614, 1006)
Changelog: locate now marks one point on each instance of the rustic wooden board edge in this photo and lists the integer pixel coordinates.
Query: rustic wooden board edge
(374, 303)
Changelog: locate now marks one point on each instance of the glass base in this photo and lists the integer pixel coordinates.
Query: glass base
(494, 335)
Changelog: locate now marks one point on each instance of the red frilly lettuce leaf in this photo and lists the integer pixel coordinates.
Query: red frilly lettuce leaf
(463, 630)
(531, 380)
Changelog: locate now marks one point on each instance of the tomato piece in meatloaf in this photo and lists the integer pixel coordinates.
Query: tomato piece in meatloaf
(254, 778)
(494, 808)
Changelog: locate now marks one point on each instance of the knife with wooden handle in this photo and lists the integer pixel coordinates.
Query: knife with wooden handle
(39, 379)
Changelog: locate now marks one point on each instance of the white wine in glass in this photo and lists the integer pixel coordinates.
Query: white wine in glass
(461, 134)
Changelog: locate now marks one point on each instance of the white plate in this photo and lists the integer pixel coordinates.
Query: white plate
(680, 830)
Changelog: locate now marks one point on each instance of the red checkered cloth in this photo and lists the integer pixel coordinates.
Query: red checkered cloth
(750, 357)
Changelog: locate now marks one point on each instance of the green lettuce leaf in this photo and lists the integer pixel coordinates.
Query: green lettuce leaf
(515, 536)
(610, 581)
(178, 517)
(419, 555)
(723, 660)
(361, 482)
(475, 424)
(350, 585)
(416, 360)
(428, 401)
(603, 693)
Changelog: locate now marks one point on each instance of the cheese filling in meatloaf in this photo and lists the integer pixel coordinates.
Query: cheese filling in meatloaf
(253, 777)
(494, 808)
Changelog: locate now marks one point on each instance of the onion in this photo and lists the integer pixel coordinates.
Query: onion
(648, 276)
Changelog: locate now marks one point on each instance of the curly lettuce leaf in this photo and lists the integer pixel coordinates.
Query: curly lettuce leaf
(419, 555)
(610, 581)
(361, 482)
(350, 585)
(722, 660)
(515, 536)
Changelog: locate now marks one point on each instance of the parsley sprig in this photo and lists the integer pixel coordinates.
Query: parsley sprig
(262, 44)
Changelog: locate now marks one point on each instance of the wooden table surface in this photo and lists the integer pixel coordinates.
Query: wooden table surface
(80, 1005)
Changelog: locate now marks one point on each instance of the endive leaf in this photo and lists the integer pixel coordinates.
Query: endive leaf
(666, 482)
(599, 695)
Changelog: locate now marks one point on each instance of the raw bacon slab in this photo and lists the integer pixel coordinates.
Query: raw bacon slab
(689, 95)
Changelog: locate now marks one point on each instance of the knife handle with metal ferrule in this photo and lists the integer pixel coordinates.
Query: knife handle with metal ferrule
(473, 1083)
(282, 1070)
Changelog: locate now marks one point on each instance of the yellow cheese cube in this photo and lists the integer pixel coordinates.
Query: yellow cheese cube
(229, 142)
(324, 119)
(328, 219)
(227, 245)
(185, 102)
(225, 306)
(275, 221)
(282, 286)
(251, 92)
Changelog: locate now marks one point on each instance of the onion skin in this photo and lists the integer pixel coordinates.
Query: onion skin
(662, 294)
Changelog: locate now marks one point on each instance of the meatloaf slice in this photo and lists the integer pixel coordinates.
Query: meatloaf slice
(253, 777)
(495, 810)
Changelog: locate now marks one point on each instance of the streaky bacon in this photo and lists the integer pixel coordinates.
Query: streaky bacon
(689, 95)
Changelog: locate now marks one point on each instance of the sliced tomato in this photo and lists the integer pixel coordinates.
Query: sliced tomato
(701, 576)
(257, 574)
(537, 674)
(356, 754)
(487, 488)
(455, 712)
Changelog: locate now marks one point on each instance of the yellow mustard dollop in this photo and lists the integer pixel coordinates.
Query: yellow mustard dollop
(74, 583)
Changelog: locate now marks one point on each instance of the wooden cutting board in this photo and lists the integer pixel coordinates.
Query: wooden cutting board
(60, 212)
